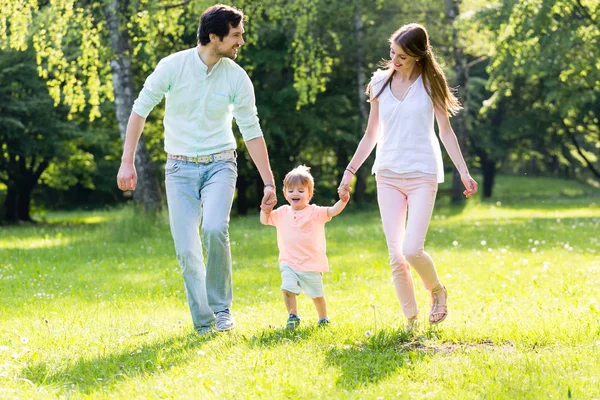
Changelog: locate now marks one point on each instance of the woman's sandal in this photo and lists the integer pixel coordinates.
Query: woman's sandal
(436, 308)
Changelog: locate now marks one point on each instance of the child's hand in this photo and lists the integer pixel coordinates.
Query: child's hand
(267, 208)
(345, 197)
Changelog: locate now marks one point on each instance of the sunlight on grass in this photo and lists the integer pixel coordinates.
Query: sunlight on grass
(33, 243)
(98, 310)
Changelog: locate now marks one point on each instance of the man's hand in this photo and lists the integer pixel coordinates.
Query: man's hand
(127, 176)
(269, 199)
(267, 209)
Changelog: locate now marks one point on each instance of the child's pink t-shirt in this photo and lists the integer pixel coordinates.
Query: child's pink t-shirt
(301, 237)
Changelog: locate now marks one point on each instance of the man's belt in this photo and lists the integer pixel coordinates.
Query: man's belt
(224, 155)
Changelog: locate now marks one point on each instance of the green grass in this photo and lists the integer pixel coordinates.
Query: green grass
(92, 306)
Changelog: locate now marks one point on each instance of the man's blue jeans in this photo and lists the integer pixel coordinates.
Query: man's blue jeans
(201, 195)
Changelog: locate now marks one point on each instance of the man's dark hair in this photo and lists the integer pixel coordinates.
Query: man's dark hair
(217, 19)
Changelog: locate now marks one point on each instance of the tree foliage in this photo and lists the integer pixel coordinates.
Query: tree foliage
(33, 133)
(545, 69)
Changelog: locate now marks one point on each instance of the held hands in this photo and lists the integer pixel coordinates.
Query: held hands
(269, 200)
(470, 185)
(344, 188)
(127, 176)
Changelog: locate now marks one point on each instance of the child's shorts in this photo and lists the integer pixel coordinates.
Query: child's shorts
(310, 282)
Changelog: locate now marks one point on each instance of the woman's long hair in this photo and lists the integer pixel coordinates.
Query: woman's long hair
(414, 40)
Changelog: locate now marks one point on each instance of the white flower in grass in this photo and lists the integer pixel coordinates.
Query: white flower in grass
(455, 243)
(368, 333)
(24, 339)
(546, 265)
(483, 242)
(201, 352)
(533, 249)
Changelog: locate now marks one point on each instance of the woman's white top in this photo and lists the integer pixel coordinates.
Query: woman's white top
(407, 145)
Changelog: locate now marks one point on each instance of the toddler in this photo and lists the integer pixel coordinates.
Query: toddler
(301, 241)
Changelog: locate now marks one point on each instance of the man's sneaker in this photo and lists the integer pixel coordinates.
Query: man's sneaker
(224, 321)
(204, 330)
(293, 322)
(324, 321)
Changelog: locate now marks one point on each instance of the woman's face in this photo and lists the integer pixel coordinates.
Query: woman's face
(400, 59)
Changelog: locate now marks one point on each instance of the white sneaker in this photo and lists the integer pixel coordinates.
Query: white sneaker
(224, 321)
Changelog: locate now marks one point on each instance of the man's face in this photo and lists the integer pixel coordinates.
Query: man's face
(229, 46)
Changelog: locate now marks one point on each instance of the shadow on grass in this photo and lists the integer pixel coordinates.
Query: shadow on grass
(369, 362)
(281, 336)
(386, 352)
(89, 375)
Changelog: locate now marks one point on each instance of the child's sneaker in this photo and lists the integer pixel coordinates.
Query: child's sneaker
(324, 321)
(293, 322)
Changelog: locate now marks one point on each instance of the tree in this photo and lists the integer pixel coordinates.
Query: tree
(547, 51)
(32, 132)
(83, 70)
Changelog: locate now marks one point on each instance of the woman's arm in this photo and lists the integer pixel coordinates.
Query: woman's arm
(448, 138)
(364, 149)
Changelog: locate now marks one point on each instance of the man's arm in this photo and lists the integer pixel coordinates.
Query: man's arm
(336, 208)
(155, 88)
(127, 176)
(258, 152)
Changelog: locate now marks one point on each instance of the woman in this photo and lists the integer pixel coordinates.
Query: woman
(404, 98)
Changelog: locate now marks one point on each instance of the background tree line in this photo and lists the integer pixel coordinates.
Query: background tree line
(527, 73)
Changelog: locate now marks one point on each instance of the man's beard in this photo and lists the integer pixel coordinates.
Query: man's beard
(231, 54)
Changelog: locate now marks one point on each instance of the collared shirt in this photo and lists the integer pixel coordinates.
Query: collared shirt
(407, 145)
(200, 106)
(301, 237)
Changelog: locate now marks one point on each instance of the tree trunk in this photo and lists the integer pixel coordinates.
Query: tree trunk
(11, 213)
(147, 191)
(461, 69)
(24, 201)
(489, 176)
(363, 173)
(580, 152)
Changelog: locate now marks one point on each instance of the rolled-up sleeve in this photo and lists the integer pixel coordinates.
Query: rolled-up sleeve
(155, 88)
(244, 109)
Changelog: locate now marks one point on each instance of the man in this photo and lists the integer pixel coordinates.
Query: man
(204, 90)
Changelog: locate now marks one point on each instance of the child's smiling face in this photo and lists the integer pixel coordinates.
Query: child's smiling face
(297, 196)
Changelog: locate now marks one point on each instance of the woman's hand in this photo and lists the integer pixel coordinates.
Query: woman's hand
(470, 185)
(344, 188)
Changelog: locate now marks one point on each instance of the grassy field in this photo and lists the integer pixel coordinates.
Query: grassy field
(92, 306)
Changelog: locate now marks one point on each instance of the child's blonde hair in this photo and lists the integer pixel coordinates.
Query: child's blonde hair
(299, 176)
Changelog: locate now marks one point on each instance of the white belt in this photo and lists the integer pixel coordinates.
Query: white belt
(224, 155)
